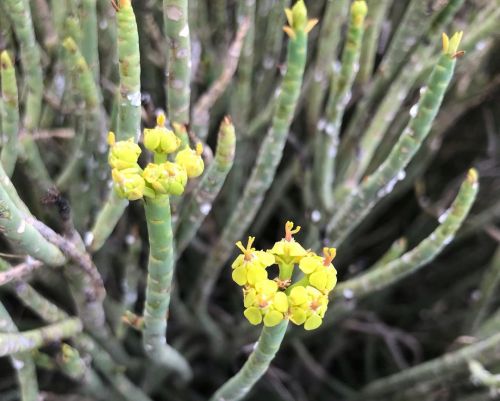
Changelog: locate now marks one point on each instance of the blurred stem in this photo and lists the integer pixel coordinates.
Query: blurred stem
(257, 364)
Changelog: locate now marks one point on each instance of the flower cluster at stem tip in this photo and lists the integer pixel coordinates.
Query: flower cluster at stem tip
(269, 301)
(162, 177)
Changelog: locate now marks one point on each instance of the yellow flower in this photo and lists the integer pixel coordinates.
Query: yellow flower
(320, 271)
(129, 184)
(191, 160)
(450, 45)
(297, 20)
(287, 251)
(265, 303)
(307, 306)
(165, 178)
(161, 139)
(123, 154)
(250, 266)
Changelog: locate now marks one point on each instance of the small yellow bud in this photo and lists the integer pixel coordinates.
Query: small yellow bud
(297, 20)
(160, 120)
(165, 178)
(5, 60)
(111, 138)
(70, 45)
(472, 175)
(191, 161)
(359, 9)
(128, 183)
(123, 154)
(450, 45)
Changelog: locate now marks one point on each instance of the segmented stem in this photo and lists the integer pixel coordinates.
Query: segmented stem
(340, 93)
(257, 364)
(12, 343)
(10, 114)
(22, 362)
(175, 15)
(207, 190)
(159, 286)
(380, 183)
(262, 175)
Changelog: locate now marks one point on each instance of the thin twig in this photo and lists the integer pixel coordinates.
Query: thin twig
(207, 100)
(19, 271)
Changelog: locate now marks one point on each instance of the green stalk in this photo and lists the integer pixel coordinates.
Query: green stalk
(438, 369)
(106, 221)
(487, 290)
(26, 238)
(88, 22)
(21, 362)
(257, 364)
(422, 254)
(328, 43)
(360, 142)
(159, 285)
(20, 16)
(10, 114)
(327, 137)
(262, 175)
(357, 205)
(129, 119)
(207, 190)
(129, 115)
(273, 42)
(377, 9)
(395, 251)
(22, 24)
(103, 361)
(240, 100)
(12, 343)
(175, 15)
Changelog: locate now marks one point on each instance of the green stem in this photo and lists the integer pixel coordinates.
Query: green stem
(159, 284)
(175, 14)
(327, 137)
(33, 339)
(437, 369)
(129, 118)
(423, 253)
(9, 113)
(22, 362)
(357, 205)
(257, 364)
(205, 193)
(262, 175)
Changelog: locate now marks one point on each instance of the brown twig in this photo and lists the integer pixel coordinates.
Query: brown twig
(19, 271)
(207, 100)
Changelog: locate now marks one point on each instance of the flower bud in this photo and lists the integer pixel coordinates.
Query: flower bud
(191, 160)
(128, 183)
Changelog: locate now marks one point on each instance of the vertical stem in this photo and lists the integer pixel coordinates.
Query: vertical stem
(257, 364)
(175, 14)
(22, 362)
(159, 285)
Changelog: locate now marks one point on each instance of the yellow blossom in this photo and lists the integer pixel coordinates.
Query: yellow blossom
(287, 251)
(161, 139)
(191, 160)
(166, 178)
(123, 154)
(265, 303)
(319, 270)
(129, 184)
(250, 266)
(307, 306)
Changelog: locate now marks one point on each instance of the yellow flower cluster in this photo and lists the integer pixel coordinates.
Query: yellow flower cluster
(270, 301)
(162, 177)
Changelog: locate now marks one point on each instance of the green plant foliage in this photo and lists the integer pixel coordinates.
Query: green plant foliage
(142, 140)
